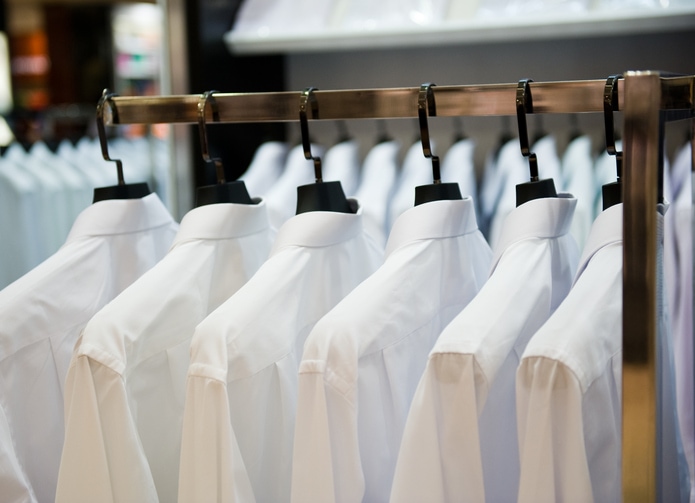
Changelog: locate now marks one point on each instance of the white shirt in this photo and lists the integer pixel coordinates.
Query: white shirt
(459, 443)
(265, 167)
(417, 170)
(54, 217)
(282, 196)
(680, 282)
(242, 379)
(362, 361)
(342, 163)
(513, 168)
(569, 383)
(458, 166)
(111, 244)
(379, 172)
(578, 175)
(19, 214)
(126, 383)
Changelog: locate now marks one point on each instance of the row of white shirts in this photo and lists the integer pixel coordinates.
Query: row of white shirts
(42, 192)
(384, 185)
(312, 365)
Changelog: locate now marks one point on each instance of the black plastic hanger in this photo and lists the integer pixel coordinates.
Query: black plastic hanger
(122, 190)
(437, 191)
(612, 192)
(534, 188)
(318, 196)
(222, 191)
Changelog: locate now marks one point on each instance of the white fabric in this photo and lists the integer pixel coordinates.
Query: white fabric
(416, 171)
(20, 198)
(362, 361)
(513, 168)
(458, 167)
(342, 163)
(282, 196)
(54, 211)
(682, 301)
(569, 383)
(126, 383)
(493, 181)
(460, 441)
(13, 481)
(242, 379)
(265, 167)
(110, 245)
(379, 173)
(578, 175)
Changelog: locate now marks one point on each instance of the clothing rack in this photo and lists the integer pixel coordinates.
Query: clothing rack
(647, 99)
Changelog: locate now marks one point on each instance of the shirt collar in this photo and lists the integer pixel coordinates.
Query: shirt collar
(548, 217)
(317, 229)
(433, 220)
(607, 229)
(121, 216)
(222, 221)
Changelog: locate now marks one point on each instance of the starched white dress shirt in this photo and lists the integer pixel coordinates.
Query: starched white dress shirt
(513, 168)
(111, 244)
(569, 383)
(379, 173)
(242, 380)
(265, 167)
(416, 171)
(282, 196)
(125, 388)
(458, 166)
(578, 176)
(362, 362)
(19, 213)
(459, 443)
(679, 285)
(342, 163)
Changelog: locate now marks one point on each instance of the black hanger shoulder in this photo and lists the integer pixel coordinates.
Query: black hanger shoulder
(230, 192)
(323, 196)
(125, 191)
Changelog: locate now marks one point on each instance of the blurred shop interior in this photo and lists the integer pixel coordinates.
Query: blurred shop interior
(56, 57)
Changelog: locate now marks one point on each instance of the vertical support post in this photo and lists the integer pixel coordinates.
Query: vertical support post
(641, 151)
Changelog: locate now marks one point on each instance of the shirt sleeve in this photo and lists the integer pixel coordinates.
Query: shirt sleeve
(439, 460)
(326, 465)
(102, 457)
(554, 465)
(211, 467)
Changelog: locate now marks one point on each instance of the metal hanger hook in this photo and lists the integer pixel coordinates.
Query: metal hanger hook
(308, 100)
(426, 106)
(524, 105)
(101, 130)
(205, 98)
(610, 105)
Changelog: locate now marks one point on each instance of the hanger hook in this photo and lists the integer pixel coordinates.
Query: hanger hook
(426, 106)
(205, 98)
(610, 105)
(524, 105)
(101, 130)
(308, 99)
